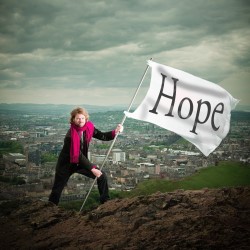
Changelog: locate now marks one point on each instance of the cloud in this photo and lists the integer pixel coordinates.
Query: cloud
(97, 46)
(238, 85)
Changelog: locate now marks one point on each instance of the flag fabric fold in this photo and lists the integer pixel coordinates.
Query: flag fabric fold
(196, 109)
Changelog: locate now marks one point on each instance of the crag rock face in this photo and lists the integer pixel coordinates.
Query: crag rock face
(203, 219)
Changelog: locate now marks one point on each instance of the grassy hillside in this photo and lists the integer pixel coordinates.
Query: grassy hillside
(226, 174)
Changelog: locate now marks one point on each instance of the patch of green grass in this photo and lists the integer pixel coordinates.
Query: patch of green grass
(226, 174)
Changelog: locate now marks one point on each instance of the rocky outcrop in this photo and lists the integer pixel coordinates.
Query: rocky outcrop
(203, 219)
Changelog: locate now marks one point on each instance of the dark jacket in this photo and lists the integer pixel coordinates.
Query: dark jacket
(64, 157)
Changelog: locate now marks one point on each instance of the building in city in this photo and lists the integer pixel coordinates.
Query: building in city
(118, 156)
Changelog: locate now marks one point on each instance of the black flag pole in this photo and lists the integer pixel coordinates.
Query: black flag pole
(113, 142)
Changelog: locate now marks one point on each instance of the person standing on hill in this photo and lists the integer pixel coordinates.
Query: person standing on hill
(74, 155)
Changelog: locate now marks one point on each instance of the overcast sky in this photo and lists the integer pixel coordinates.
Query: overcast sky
(95, 52)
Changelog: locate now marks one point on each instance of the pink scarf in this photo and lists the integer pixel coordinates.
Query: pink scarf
(75, 133)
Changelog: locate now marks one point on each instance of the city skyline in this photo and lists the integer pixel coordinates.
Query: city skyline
(95, 53)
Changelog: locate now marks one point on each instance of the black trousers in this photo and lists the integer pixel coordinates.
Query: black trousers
(63, 173)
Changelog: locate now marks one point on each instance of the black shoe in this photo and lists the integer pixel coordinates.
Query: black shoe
(105, 200)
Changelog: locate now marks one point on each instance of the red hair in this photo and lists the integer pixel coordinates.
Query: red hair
(76, 111)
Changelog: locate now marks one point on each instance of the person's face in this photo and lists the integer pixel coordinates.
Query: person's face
(79, 120)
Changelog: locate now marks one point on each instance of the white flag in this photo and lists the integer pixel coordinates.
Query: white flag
(194, 108)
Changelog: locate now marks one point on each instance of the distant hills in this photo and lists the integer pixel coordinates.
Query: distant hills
(28, 108)
(242, 108)
(64, 109)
